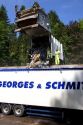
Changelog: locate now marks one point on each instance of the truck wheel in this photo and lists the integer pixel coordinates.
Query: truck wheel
(6, 108)
(18, 110)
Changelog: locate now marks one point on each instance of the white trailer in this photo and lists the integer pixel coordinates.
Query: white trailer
(57, 87)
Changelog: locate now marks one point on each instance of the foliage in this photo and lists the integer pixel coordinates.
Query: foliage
(14, 50)
(22, 7)
(36, 5)
(4, 37)
(71, 36)
(73, 30)
(3, 15)
(22, 50)
(81, 24)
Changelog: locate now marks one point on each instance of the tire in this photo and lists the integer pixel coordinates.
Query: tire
(18, 110)
(6, 108)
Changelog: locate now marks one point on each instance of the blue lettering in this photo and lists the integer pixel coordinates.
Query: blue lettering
(78, 85)
(26, 84)
(31, 84)
(20, 84)
(70, 85)
(53, 85)
(61, 85)
(48, 85)
(14, 84)
(9, 84)
(0, 83)
(4, 84)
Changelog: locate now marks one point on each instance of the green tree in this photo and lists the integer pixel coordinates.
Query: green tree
(75, 46)
(4, 43)
(13, 47)
(3, 15)
(23, 47)
(6, 36)
(22, 8)
(58, 29)
(55, 23)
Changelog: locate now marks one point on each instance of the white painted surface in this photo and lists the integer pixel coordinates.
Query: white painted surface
(63, 98)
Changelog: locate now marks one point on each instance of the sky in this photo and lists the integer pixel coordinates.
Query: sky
(67, 10)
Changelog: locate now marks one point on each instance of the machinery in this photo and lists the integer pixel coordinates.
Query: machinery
(35, 24)
(57, 86)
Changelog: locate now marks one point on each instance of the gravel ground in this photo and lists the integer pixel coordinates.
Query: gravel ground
(26, 120)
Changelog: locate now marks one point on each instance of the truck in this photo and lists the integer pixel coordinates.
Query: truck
(56, 86)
